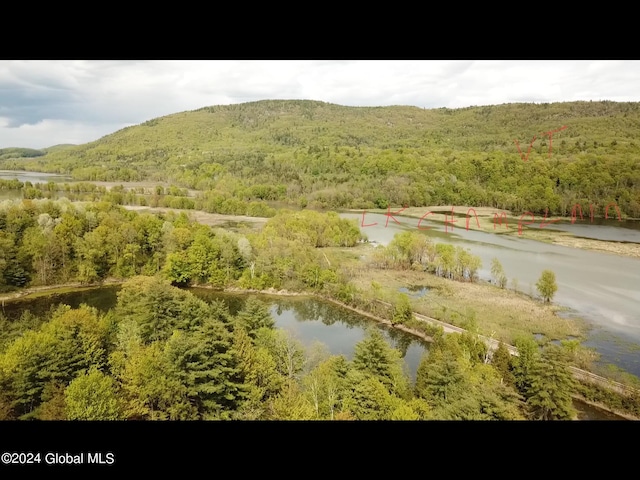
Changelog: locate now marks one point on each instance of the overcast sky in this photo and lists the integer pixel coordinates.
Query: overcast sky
(45, 103)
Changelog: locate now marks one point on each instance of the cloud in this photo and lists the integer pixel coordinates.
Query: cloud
(48, 133)
(39, 99)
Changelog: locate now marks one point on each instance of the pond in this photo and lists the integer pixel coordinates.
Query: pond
(309, 319)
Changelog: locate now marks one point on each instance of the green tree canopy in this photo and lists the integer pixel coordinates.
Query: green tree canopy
(546, 285)
(92, 396)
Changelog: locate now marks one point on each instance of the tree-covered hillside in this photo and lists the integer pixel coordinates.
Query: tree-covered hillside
(324, 155)
(19, 153)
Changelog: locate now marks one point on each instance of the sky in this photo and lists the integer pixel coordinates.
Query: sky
(51, 102)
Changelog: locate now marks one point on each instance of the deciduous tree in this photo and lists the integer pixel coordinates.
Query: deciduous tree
(92, 396)
(546, 285)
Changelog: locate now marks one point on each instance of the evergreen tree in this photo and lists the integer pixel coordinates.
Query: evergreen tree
(373, 356)
(152, 388)
(254, 315)
(502, 361)
(207, 365)
(439, 378)
(368, 397)
(549, 396)
(153, 304)
(524, 363)
(402, 311)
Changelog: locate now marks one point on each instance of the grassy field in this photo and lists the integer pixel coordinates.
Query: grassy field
(501, 313)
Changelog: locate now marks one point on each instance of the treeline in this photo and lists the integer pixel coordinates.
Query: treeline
(410, 250)
(46, 242)
(163, 354)
(169, 197)
(329, 156)
(12, 152)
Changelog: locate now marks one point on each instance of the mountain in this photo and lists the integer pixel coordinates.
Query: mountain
(328, 155)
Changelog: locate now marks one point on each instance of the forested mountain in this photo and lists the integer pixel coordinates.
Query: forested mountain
(325, 155)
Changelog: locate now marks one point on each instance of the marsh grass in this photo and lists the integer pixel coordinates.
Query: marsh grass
(501, 313)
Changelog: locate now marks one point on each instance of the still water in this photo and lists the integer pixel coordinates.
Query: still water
(33, 177)
(602, 288)
(310, 320)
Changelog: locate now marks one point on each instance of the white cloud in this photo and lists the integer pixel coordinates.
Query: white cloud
(48, 133)
(55, 102)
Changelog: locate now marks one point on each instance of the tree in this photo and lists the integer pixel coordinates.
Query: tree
(547, 285)
(497, 272)
(53, 406)
(523, 363)
(254, 315)
(326, 386)
(286, 350)
(151, 387)
(72, 341)
(402, 310)
(503, 363)
(549, 396)
(440, 377)
(291, 404)
(204, 361)
(373, 356)
(92, 396)
(368, 398)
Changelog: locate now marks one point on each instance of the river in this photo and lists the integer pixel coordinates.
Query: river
(34, 177)
(602, 288)
(310, 320)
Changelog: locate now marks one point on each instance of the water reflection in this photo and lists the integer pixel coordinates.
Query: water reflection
(309, 319)
(33, 177)
(314, 320)
(602, 288)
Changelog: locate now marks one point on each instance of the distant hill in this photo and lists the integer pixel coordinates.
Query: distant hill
(15, 152)
(328, 155)
(55, 148)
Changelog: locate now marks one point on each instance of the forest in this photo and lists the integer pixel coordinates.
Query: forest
(322, 155)
(164, 354)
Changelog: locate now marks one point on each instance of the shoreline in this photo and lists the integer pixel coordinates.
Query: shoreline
(486, 221)
(51, 289)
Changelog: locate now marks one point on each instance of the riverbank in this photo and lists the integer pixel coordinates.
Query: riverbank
(204, 218)
(286, 293)
(507, 224)
(504, 314)
(567, 239)
(605, 408)
(448, 328)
